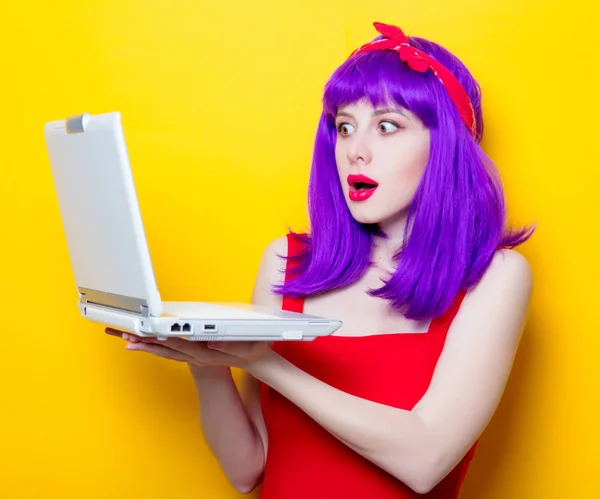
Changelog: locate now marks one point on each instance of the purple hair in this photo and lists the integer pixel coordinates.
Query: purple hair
(456, 221)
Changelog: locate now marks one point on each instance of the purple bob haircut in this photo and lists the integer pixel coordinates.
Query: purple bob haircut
(456, 220)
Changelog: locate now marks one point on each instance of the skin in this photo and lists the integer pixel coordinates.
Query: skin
(418, 447)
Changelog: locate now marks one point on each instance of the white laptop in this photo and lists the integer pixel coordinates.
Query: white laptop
(109, 253)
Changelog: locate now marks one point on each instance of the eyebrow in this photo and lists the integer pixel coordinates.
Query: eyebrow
(378, 112)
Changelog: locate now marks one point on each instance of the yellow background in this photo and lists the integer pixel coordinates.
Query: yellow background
(220, 102)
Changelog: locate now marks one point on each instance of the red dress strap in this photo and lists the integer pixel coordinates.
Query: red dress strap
(295, 248)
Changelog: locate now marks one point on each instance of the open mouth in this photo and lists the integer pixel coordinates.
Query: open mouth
(361, 187)
(360, 182)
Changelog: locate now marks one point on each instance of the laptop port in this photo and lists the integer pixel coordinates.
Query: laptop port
(187, 328)
(175, 328)
(210, 327)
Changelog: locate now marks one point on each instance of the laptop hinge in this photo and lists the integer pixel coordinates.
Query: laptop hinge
(115, 301)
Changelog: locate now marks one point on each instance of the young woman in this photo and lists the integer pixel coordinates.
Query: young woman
(408, 247)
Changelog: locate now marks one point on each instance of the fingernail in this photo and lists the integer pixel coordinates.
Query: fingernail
(214, 345)
(131, 346)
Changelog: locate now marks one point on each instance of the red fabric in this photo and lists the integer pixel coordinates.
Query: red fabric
(295, 247)
(304, 460)
(419, 61)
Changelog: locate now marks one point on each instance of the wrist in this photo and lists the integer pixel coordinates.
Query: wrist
(209, 372)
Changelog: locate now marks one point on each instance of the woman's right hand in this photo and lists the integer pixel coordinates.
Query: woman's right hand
(165, 349)
(241, 354)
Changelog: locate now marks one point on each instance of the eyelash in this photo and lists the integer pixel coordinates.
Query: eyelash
(390, 122)
(393, 123)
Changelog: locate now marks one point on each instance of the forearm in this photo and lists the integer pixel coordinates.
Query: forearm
(229, 432)
(395, 440)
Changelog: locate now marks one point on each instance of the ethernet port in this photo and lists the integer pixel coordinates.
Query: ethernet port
(187, 328)
(175, 328)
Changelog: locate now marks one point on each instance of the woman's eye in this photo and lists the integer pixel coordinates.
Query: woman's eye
(345, 128)
(388, 126)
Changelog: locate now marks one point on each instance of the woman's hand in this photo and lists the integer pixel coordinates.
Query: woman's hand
(242, 354)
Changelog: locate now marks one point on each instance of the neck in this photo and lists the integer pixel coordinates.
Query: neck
(387, 247)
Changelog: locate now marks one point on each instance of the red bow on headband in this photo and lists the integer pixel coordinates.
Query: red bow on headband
(394, 39)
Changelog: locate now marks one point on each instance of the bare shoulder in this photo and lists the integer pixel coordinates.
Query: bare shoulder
(276, 247)
(512, 265)
(508, 280)
(270, 272)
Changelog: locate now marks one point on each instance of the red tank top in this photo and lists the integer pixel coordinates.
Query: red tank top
(304, 460)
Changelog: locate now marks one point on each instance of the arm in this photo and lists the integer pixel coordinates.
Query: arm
(227, 425)
(241, 444)
(420, 447)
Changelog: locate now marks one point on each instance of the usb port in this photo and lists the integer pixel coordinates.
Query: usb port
(210, 327)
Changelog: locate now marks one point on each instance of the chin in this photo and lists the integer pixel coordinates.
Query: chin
(366, 216)
(371, 215)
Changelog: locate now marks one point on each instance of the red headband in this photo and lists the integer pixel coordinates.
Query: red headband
(394, 39)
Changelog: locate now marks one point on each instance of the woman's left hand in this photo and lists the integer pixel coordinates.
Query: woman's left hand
(241, 354)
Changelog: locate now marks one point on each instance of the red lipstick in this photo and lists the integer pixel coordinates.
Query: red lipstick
(361, 187)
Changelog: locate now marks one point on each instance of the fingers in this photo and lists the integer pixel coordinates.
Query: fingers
(178, 349)
(176, 343)
(122, 334)
(160, 350)
(113, 332)
(129, 336)
(132, 338)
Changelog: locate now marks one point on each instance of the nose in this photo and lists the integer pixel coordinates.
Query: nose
(359, 150)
